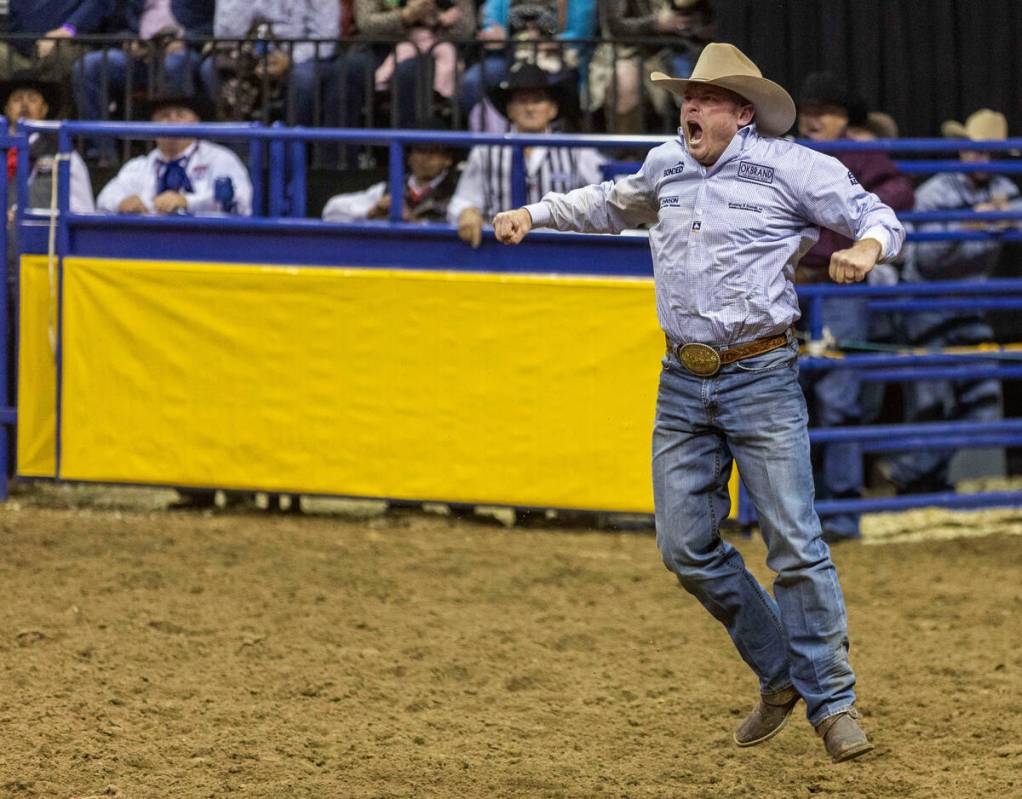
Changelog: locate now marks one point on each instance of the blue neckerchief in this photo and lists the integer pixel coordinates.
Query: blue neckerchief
(173, 176)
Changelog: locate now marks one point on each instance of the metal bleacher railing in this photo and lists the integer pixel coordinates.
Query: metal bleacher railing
(284, 193)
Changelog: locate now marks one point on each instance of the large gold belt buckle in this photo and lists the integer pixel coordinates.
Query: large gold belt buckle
(700, 359)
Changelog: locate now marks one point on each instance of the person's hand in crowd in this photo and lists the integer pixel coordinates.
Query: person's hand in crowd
(449, 18)
(470, 226)
(669, 21)
(169, 201)
(275, 64)
(381, 209)
(174, 46)
(852, 265)
(510, 227)
(494, 33)
(131, 205)
(417, 11)
(45, 46)
(996, 204)
(138, 48)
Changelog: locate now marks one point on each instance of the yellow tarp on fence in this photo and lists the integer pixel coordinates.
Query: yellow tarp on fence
(484, 388)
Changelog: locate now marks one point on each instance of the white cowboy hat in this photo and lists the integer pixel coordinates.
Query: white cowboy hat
(726, 66)
(983, 124)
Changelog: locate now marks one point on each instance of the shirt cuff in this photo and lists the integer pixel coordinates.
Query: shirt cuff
(540, 213)
(884, 238)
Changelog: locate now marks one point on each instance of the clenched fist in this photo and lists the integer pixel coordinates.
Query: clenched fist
(853, 264)
(510, 227)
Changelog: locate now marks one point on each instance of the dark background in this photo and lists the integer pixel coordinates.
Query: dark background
(922, 61)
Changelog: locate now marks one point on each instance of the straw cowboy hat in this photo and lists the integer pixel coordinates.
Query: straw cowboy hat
(726, 66)
(983, 124)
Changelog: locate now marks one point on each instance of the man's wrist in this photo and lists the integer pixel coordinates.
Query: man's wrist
(539, 213)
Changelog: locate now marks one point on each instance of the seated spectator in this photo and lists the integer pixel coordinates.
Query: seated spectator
(975, 400)
(421, 24)
(532, 104)
(25, 97)
(826, 111)
(181, 175)
(532, 28)
(429, 186)
(233, 74)
(57, 20)
(617, 71)
(878, 125)
(158, 58)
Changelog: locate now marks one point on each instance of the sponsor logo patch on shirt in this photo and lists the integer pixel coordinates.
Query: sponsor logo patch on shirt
(677, 169)
(199, 171)
(851, 177)
(746, 207)
(757, 173)
(670, 202)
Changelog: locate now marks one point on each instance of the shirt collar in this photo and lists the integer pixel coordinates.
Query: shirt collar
(186, 154)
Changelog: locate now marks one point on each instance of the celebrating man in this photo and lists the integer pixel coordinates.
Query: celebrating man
(733, 209)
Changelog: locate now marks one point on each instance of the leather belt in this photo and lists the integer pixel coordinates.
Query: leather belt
(703, 360)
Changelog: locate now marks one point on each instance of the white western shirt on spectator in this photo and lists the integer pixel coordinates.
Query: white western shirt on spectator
(486, 181)
(205, 162)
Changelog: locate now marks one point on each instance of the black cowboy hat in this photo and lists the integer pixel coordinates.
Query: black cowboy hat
(825, 88)
(526, 76)
(202, 108)
(51, 91)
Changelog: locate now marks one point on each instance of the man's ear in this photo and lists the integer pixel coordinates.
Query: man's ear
(746, 115)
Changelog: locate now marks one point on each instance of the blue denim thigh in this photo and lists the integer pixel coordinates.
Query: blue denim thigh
(691, 467)
(762, 411)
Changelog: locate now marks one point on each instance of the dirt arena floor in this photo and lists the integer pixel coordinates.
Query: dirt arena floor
(147, 655)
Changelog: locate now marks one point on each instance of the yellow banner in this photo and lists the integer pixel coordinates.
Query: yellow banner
(480, 388)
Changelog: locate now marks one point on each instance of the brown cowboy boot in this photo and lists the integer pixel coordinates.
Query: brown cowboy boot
(769, 717)
(843, 736)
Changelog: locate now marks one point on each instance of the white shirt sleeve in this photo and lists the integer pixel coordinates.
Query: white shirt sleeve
(354, 206)
(130, 180)
(469, 193)
(223, 163)
(81, 187)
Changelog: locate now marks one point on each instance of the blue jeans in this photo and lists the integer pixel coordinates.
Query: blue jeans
(752, 413)
(835, 400)
(974, 400)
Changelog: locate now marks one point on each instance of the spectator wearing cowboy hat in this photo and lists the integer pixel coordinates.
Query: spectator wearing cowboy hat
(182, 174)
(826, 111)
(532, 103)
(429, 185)
(26, 97)
(945, 400)
(732, 206)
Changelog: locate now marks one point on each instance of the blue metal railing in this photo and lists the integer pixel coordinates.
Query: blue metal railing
(285, 196)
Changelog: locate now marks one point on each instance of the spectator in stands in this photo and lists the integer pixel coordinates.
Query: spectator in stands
(159, 59)
(423, 23)
(826, 110)
(55, 20)
(532, 103)
(233, 75)
(977, 400)
(533, 26)
(429, 186)
(878, 125)
(182, 175)
(25, 97)
(617, 71)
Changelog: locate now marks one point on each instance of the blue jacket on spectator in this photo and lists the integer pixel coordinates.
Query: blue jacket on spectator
(580, 22)
(195, 16)
(41, 16)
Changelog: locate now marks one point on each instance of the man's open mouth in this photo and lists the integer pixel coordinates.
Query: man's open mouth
(695, 132)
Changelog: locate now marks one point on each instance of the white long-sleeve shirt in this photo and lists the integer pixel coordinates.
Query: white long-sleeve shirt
(291, 19)
(81, 184)
(206, 162)
(486, 180)
(727, 237)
